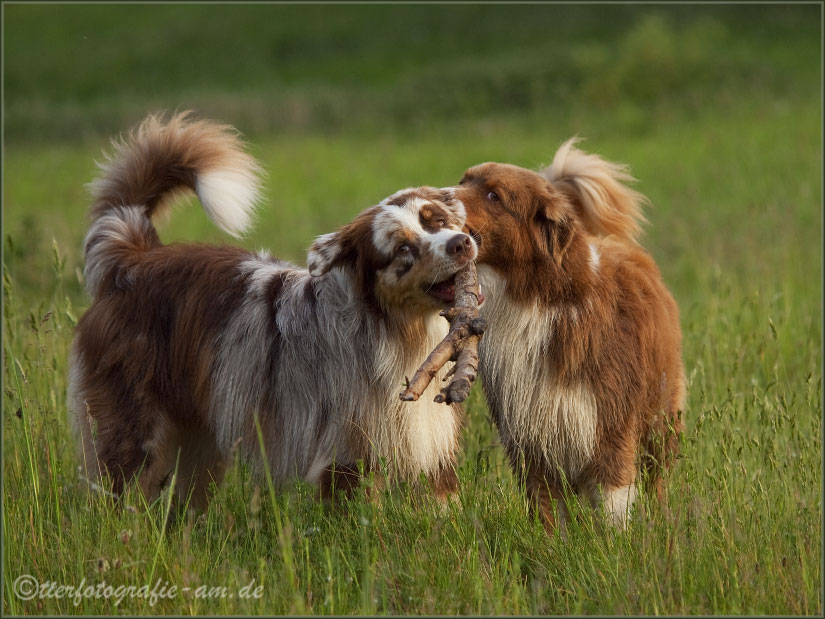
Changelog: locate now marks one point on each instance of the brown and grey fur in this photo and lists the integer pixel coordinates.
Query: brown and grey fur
(581, 361)
(185, 346)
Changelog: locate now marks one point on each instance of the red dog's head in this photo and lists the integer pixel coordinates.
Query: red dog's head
(530, 225)
(515, 214)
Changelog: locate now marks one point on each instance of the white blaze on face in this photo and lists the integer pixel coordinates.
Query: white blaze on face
(411, 231)
(397, 218)
(391, 222)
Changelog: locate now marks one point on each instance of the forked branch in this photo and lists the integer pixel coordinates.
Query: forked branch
(459, 345)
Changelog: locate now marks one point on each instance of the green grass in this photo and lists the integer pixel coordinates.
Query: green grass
(725, 138)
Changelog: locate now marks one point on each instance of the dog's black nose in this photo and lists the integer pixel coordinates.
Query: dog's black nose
(459, 245)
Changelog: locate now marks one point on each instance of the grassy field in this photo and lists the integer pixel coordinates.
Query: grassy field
(717, 109)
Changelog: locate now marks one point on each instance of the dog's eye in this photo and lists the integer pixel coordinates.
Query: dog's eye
(493, 196)
(404, 249)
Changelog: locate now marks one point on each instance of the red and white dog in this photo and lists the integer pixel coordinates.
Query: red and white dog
(581, 361)
(188, 349)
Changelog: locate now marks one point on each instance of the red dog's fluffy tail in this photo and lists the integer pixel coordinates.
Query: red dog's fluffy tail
(149, 168)
(605, 204)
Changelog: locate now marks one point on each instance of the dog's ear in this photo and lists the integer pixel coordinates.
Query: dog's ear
(556, 223)
(325, 252)
(341, 246)
(562, 232)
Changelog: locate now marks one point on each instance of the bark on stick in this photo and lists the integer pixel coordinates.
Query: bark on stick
(460, 345)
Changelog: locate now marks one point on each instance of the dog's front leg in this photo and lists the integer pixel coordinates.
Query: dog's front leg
(444, 483)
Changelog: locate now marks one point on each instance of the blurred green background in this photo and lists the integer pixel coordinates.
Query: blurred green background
(346, 104)
(716, 108)
(78, 72)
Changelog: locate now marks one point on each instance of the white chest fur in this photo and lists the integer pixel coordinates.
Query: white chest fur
(414, 436)
(534, 412)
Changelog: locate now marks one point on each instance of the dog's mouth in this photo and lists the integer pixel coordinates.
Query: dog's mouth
(444, 291)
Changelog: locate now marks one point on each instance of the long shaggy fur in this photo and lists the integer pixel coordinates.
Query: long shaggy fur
(581, 361)
(598, 190)
(159, 160)
(189, 350)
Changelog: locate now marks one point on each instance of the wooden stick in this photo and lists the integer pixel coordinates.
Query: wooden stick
(459, 345)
